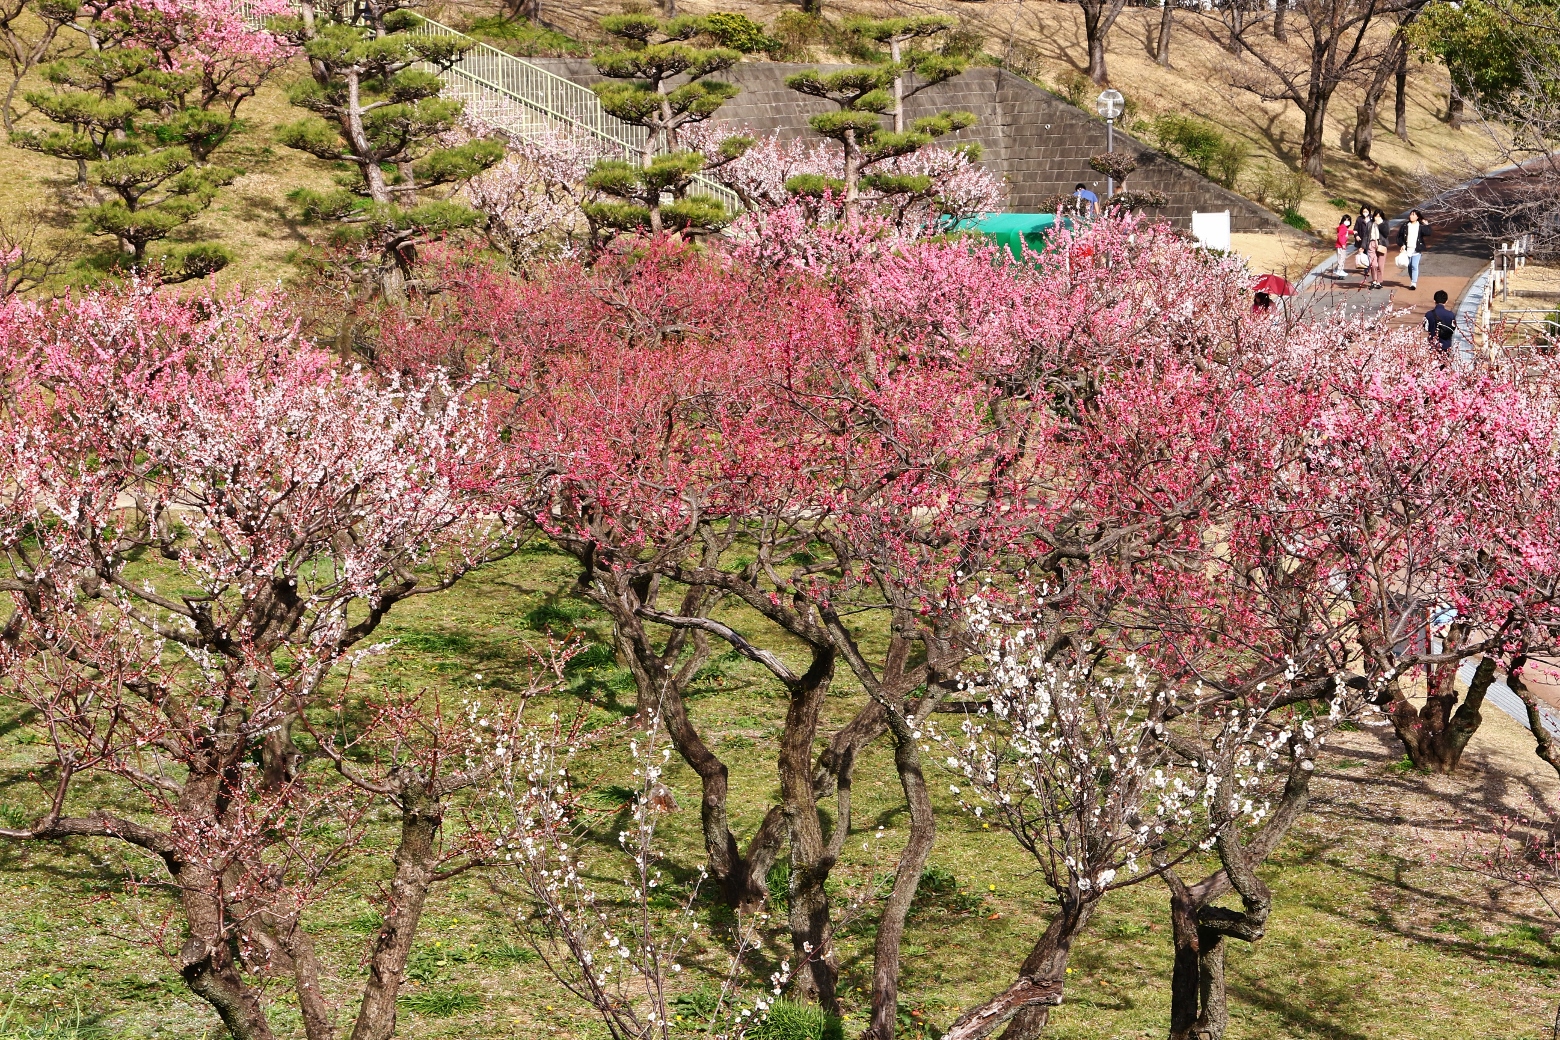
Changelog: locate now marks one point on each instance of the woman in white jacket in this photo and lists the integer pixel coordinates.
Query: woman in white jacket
(1411, 237)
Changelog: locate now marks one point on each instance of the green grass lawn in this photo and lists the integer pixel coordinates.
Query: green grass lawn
(1368, 938)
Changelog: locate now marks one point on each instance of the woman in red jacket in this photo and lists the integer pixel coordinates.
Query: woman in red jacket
(1345, 233)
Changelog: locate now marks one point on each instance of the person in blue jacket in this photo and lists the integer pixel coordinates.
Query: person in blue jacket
(1091, 200)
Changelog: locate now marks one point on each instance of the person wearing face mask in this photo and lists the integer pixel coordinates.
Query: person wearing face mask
(1362, 242)
(1376, 247)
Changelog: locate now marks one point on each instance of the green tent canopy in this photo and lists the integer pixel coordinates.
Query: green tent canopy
(1014, 231)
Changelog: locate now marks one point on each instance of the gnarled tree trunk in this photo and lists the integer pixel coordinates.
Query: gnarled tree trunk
(415, 862)
(812, 856)
(1198, 1006)
(1435, 735)
(1025, 1006)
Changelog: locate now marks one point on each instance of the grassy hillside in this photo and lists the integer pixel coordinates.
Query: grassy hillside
(1044, 40)
(1372, 935)
(1040, 39)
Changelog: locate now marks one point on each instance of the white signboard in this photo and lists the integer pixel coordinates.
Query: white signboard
(1212, 230)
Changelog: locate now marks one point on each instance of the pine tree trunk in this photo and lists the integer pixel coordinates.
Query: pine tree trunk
(899, 87)
(852, 173)
(1281, 22)
(1454, 110)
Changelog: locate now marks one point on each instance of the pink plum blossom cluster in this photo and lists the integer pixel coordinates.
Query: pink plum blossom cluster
(1200, 541)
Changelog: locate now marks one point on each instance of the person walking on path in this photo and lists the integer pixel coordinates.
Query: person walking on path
(1413, 236)
(1345, 236)
(1376, 248)
(1440, 323)
(1362, 242)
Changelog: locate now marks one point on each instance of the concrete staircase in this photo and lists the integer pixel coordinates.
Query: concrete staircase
(525, 100)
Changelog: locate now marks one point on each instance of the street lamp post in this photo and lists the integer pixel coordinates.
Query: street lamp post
(1110, 104)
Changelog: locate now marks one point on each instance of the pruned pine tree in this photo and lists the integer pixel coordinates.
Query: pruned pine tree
(901, 36)
(862, 94)
(140, 143)
(29, 36)
(374, 95)
(648, 55)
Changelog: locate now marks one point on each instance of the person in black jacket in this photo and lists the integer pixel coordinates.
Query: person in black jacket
(1441, 322)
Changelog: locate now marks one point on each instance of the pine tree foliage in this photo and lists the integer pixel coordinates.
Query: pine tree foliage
(141, 138)
(863, 94)
(375, 104)
(648, 56)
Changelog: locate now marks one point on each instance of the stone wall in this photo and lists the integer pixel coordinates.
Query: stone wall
(1036, 142)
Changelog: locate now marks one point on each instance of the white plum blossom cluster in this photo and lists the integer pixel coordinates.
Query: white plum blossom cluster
(758, 177)
(1075, 753)
(959, 187)
(619, 952)
(533, 197)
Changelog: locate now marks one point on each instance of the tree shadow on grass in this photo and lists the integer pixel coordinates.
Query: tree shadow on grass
(1302, 1009)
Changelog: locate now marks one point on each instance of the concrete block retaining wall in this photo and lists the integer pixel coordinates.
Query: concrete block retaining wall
(1034, 140)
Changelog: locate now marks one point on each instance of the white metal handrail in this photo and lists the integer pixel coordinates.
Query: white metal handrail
(556, 100)
(524, 99)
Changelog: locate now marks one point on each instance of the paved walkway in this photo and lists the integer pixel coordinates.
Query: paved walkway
(1457, 255)
(1458, 252)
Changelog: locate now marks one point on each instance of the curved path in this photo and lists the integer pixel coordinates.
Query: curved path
(1458, 255)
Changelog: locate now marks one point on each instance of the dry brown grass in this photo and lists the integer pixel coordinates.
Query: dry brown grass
(1046, 38)
(252, 216)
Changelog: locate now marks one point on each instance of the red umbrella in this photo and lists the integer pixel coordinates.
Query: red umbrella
(1273, 285)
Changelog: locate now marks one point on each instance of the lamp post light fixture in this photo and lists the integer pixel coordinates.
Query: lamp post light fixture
(1110, 104)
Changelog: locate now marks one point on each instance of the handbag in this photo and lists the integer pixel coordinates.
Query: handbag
(1361, 260)
(1402, 258)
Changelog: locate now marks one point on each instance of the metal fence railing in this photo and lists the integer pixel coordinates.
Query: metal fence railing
(524, 99)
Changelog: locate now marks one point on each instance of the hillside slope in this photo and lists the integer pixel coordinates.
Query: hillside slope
(1044, 40)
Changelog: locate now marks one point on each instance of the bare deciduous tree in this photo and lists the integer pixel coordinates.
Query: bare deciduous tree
(1336, 44)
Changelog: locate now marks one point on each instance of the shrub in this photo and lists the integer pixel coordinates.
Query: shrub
(795, 32)
(1073, 88)
(1202, 146)
(739, 32)
(1293, 218)
(439, 1003)
(1283, 189)
(963, 42)
(788, 1020)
